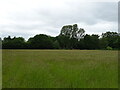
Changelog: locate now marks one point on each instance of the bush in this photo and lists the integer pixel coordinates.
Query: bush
(109, 48)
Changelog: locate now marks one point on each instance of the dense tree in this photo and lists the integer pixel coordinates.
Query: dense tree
(13, 43)
(72, 31)
(95, 41)
(70, 37)
(56, 45)
(111, 39)
(118, 45)
(41, 41)
(81, 44)
(64, 42)
(91, 42)
(103, 43)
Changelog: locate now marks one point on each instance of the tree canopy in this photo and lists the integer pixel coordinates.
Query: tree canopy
(70, 37)
(72, 31)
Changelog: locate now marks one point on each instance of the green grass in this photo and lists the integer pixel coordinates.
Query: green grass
(60, 69)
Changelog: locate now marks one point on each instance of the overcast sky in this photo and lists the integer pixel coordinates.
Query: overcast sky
(27, 18)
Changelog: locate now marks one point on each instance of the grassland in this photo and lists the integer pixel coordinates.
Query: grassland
(60, 69)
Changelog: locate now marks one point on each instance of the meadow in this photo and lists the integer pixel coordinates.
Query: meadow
(60, 69)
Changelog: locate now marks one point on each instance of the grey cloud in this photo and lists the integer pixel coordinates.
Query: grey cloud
(90, 13)
(50, 20)
(107, 11)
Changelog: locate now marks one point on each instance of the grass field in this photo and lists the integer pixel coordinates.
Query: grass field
(60, 69)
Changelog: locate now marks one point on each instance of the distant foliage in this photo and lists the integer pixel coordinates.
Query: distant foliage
(70, 37)
(109, 48)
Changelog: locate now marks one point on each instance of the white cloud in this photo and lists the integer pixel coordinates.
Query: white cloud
(100, 28)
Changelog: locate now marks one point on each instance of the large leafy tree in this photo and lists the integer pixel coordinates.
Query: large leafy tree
(41, 41)
(112, 39)
(72, 31)
(13, 43)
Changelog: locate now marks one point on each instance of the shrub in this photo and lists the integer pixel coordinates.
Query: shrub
(109, 48)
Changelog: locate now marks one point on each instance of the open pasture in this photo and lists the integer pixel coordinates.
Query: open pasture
(60, 69)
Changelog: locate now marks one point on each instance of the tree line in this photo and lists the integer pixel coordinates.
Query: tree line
(70, 37)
